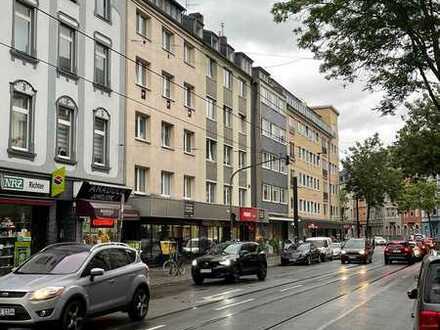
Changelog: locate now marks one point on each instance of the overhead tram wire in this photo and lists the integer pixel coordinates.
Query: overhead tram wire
(128, 59)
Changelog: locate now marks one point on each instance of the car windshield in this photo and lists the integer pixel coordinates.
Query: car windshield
(304, 247)
(59, 260)
(336, 245)
(355, 244)
(319, 244)
(231, 249)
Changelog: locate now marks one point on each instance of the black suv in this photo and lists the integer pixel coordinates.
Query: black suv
(230, 261)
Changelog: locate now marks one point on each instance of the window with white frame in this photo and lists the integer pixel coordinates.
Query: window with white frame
(167, 87)
(227, 78)
(188, 186)
(242, 197)
(65, 132)
(102, 65)
(211, 68)
(211, 150)
(189, 54)
(242, 87)
(24, 28)
(267, 160)
(140, 179)
(266, 128)
(227, 155)
(66, 48)
(189, 95)
(21, 135)
(142, 127)
(167, 40)
(283, 166)
(275, 163)
(167, 135)
(166, 183)
(143, 24)
(242, 159)
(100, 138)
(283, 199)
(227, 116)
(188, 141)
(210, 108)
(267, 193)
(210, 192)
(142, 72)
(226, 194)
(103, 8)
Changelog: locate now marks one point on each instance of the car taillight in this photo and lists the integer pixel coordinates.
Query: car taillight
(406, 250)
(429, 320)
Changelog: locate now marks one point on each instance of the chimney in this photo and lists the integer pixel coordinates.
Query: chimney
(198, 17)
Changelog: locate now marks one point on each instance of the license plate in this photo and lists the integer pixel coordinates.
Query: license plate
(205, 271)
(7, 312)
(396, 251)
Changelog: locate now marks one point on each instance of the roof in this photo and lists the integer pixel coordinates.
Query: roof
(331, 107)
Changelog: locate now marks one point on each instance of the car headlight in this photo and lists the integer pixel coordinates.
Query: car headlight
(361, 251)
(343, 252)
(194, 262)
(47, 293)
(226, 262)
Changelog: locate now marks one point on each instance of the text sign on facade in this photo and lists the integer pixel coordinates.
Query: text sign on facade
(248, 214)
(189, 208)
(17, 183)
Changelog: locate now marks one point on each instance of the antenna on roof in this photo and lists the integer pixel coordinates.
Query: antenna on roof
(222, 31)
(189, 4)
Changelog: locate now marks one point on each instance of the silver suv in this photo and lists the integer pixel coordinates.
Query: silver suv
(65, 283)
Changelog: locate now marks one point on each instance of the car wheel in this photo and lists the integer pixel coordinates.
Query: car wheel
(322, 258)
(73, 315)
(410, 261)
(283, 262)
(197, 279)
(138, 308)
(262, 273)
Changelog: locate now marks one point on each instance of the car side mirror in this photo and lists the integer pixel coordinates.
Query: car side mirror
(244, 253)
(412, 294)
(96, 272)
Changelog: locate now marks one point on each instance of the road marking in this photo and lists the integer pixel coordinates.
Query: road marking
(214, 296)
(234, 304)
(158, 327)
(291, 288)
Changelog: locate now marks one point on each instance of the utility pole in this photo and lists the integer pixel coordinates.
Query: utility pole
(295, 207)
(358, 227)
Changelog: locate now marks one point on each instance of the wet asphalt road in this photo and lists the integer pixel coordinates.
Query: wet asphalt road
(322, 296)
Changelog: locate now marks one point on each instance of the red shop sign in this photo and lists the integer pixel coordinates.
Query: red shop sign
(248, 214)
(103, 223)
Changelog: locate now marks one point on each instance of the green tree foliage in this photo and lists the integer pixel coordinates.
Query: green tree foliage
(370, 174)
(422, 195)
(394, 44)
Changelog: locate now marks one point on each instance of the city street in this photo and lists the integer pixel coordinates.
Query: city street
(322, 296)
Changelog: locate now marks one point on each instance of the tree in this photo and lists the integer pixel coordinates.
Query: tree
(394, 44)
(420, 195)
(370, 175)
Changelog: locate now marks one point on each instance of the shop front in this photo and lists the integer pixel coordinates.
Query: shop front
(27, 217)
(326, 228)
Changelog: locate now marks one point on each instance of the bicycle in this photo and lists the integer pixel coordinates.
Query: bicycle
(174, 266)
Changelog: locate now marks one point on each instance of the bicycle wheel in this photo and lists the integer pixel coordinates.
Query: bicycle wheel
(168, 267)
(180, 270)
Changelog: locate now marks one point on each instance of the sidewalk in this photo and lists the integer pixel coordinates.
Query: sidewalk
(160, 278)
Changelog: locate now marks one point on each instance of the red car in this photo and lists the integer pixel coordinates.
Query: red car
(428, 242)
(399, 251)
(423, 248)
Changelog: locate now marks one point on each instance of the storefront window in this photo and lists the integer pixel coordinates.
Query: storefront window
(95, 235)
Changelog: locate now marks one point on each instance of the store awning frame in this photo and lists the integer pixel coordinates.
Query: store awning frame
(99, 209)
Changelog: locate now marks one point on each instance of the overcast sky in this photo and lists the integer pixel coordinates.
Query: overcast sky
(249, 26)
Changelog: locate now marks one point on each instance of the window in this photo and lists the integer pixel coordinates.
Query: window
(167, 81)
(275, 163)
(283, 167)
(189, 96)
(118, 258)
(66, 49)
(283, 199)
(165, 186)
(167, 135)
(227, 117)
(102, 9)
(227, 81)
(242, 197)
(267, 193)
(142, 127)
(210, 108)
(24, 28)
(188, 140)
(142, 72)
(267, 160)
(102, 59)
(143, 24)
(227, 155)
(189, 54)
(140, 180)
(211, 69)
(275, 194)
(211, 150)
(65, 132)
(241, 159)
(188, 183)
(167, 40)
(243, 124)
(21, 116)
(210, 192)
(242, 86)
(226, 195)
(266, 128)
(100, 138)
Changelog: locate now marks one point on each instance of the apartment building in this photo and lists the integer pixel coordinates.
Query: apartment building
(61, 110)
(186, 128)
(411, 221)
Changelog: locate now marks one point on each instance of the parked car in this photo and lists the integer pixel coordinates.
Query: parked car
(305, 253)
(357, 250)
(379, 240)
(417, 251)
(65, 283)
(399, 251)
(427, 295)
(230, 261)
(324, 246)
(336, 250)
(197, 246)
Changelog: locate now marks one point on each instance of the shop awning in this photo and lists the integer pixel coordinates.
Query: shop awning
(27, 201)
(98, 209)
(280, 219)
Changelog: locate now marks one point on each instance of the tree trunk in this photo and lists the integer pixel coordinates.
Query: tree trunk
(430, 223)
(358, 224)
(367, 231)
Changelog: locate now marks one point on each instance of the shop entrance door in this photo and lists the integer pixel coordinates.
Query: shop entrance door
(40, 216)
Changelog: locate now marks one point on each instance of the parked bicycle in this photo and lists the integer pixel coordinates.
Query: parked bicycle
(175, 265)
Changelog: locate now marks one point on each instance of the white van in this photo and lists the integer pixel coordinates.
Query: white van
(324, 245)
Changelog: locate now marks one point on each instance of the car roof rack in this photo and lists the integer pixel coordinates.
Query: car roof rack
(94, 247)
